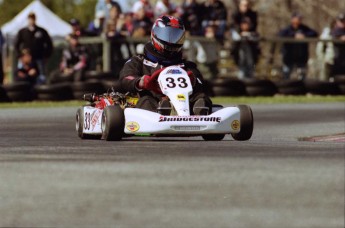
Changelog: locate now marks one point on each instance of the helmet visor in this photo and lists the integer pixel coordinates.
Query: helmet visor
(169, 34)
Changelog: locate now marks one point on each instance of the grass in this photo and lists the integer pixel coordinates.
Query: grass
(218, 100)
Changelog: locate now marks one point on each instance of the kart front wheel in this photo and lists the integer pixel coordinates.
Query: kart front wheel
(247, 124)
(216, 137)
(113, 123)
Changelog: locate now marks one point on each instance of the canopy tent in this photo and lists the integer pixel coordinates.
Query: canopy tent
(45, 18)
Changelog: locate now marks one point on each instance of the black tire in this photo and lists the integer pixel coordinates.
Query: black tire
(95, 75)
(292, 91)
(260, 91)
(256, 87)
(3, 95)
(80, 88)
(228, 87)
(55, 92)
(339, 79)
(113, 123)
(19, 91)
(322, 88)
(20, 96)
(215, 137)
(79, 123)
(290, 87)
(17, 86)
(289, 83)
(341, 88)
(246, 124)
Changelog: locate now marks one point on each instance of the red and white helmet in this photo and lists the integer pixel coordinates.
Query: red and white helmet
(168, 35)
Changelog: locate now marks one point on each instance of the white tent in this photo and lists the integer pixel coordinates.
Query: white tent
(45, 18)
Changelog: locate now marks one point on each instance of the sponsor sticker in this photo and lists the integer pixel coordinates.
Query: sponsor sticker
(95, 118)
(181, 97)
(132, 126)
(174, 71)
(189, 119)
(235, 125)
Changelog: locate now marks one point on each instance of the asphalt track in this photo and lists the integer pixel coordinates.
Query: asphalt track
(51, 178)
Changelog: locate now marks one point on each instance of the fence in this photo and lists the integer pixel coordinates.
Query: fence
(101, 52)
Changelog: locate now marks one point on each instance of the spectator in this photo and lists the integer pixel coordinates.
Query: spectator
(115, 29)
(148, 9)
(27, 69)
(215, 17)
(296, 54)
(77, 30)
(114, 24)
(141, 24)
(165, 7)
(74, 62)
(2, 41)
(246, 50)
(38, 41)
(96, 27)
(105, 7)
(245, 11)
(338, 33)
(325, 53)
(191, 16)
(128, 26)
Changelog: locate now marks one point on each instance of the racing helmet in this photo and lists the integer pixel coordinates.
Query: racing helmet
(168, 35)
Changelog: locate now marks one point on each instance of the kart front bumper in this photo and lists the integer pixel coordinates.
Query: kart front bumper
(224, 121)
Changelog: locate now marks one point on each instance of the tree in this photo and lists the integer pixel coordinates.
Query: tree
(66, 9)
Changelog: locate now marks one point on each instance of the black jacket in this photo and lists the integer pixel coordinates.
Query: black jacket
(215, 12)
(150, 62)
(73, 56)
(238, 17)
(296, 53)
(339, 59)
(37, 41)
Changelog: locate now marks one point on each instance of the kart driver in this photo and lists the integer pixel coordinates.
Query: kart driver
(165, 49)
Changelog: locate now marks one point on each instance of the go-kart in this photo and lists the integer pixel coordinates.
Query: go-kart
(112, 116)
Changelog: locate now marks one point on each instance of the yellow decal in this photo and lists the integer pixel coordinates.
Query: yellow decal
(132, 126)
(181, 97)
(235, 125)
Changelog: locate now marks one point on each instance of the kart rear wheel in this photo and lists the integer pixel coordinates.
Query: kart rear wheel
(247, 124)
(113, 123)
(215, 137)
(79, 123)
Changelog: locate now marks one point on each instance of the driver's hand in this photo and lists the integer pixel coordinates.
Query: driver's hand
(148, 82)
(144, 82)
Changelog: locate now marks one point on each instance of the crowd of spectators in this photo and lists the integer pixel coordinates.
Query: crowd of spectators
(208, 18)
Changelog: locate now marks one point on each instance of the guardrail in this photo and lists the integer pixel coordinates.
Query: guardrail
(106, 45)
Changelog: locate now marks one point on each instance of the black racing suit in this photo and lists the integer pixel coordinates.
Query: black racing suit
(150, 62)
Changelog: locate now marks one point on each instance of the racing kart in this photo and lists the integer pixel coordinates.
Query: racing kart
(112, 116)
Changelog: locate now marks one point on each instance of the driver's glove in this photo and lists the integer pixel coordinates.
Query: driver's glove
(148, 82)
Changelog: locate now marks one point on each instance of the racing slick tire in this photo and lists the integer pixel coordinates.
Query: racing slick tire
(79, 124)
(113, 123)
(246, 124)
(214, 137)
